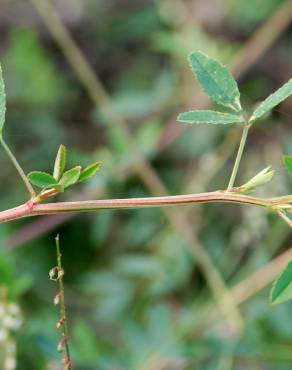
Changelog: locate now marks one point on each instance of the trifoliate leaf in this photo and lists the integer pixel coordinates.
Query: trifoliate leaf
(70, 177)
(216, 80)
(287, 160)
(209, 116)
(277, 97)
(2, 101)
(282, 287)
(60, 162)
(89, 171)
(41, 179)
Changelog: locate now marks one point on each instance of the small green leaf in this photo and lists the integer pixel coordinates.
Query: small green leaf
(2, 101)
(89, 171)
(70, 177)
(60, 162)
(274, 99)
(209, 116)
(216, 80)
(282, 287)
(41, 179)
(287, 161)
(262, 178)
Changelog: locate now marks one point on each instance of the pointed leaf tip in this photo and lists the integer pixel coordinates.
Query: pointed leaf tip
(216, 80)
(41, 179)
(272, 101)
(89, 171)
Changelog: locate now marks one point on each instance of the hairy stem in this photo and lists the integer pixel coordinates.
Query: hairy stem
(238, 156)
(18, 167)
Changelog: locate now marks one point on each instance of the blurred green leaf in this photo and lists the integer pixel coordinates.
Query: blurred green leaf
(282, 288)
(209, 116)
(287, 160)
(274, 99)
(70, 177)
(89, 171)
(138, 265)
(216, 80)
(2, 101)
(60, 162)
(242, 14)
(147, 136)
(31, 75)
(84, 341)
(41, 179)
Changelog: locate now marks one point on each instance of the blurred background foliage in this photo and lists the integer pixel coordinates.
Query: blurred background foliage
(139, 295)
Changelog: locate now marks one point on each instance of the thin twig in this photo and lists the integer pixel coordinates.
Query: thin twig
(284, 217)
(34, 209)
(18, 167)
(57, 274)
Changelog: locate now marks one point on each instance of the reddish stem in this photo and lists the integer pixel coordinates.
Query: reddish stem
(29, 209)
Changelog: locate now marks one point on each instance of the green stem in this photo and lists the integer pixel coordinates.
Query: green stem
(238, 156)
(18, 168)
(67, 358)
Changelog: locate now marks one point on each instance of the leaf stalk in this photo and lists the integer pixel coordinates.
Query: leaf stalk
(238, 156)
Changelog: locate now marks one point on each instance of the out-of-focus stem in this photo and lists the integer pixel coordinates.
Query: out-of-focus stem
(18, 167)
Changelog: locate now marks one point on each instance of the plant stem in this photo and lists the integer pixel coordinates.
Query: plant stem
(18, 167)
(284, 217)
(63, 319)
(238, 156)
(33, 209)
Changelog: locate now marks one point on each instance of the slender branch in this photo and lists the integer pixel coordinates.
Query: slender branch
(60, 298)
(238, 156)
(284, 217)
(18, 167)
(34, 209)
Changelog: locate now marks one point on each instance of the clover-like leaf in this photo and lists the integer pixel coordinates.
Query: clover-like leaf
(209, 116)
(216, 80)
(274, 99)
(89, 171)
(2, 101)
(70, 177)
(282, 287)
(41, 179)
(60, 162)
(287, 161)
